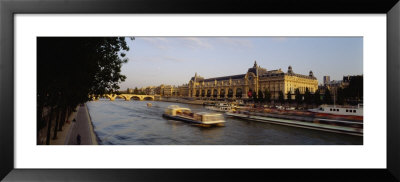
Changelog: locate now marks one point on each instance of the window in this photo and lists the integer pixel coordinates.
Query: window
(354, 111)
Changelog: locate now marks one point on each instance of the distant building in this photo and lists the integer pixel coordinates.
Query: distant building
(169, 91)
(129, 90)
(348, 78)
(246, 85)
(334, 85)
(183, 90)
(327, 79)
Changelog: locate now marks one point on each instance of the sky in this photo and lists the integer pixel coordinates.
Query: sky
(174, 60)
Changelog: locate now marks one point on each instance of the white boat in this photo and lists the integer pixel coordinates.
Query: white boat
(202, 118)
(221, 107)
(329, 125)
(339, 110)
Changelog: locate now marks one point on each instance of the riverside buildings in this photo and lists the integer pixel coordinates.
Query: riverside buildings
(246, 85)
(242, 86)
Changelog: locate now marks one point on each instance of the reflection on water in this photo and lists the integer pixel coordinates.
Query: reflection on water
(122, 122)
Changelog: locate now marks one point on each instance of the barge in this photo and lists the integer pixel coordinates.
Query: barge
(186, 115)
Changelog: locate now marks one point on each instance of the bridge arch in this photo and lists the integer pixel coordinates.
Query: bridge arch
(148, 98)
(135, 97)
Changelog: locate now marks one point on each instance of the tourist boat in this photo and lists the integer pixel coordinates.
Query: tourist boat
(202, 118)
(149, 104)
(221, 107)
(337, 125)
(339, 110)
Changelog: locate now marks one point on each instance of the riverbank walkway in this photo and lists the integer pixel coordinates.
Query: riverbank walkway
(83, 127)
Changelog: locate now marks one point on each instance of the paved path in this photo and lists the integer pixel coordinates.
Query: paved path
(82, 127)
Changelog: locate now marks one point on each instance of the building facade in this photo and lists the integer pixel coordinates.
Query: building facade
(246, 85)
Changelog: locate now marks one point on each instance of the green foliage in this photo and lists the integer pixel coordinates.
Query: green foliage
(354, 92)
(280, 97)
(254, 95)
(340, 97)
(289, 97)
(136, 91)
(317, 97)
(69, 69)
(260, 96)
(267, 95)
(308, 97)
(327, 96)
(298, 96)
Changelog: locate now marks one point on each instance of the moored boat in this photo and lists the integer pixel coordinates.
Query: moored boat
(202, 118)
(352, 127)
(221, 107)
(339, 110)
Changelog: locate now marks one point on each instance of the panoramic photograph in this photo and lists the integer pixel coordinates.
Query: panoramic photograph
(199, 90)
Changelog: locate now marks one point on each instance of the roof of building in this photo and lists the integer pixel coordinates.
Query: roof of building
(262, 72)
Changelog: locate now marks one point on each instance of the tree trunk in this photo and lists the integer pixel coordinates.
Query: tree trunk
(49, 126)
(56, 125)
(63, 114)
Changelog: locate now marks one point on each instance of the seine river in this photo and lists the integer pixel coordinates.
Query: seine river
(122, 122)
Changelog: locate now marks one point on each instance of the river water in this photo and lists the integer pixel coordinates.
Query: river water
(122, 122)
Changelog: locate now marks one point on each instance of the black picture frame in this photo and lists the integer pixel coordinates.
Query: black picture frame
(8, 8)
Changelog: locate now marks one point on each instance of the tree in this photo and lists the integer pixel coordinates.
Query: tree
(340, 96)
(136, 91)
(280, 97)
(327, 96)
(298, 96)
(354, 92)
(308, 96)
(317, 97)
(70, 69)
(260, 96)
(289, 97)
(254, 95)
(267, 96)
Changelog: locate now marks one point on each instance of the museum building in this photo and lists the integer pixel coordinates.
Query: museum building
(245, 85)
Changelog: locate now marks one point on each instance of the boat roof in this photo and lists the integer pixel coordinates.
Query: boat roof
(208, 113)
(177, 107)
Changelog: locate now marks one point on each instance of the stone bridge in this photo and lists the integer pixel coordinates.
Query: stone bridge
(127, 97)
